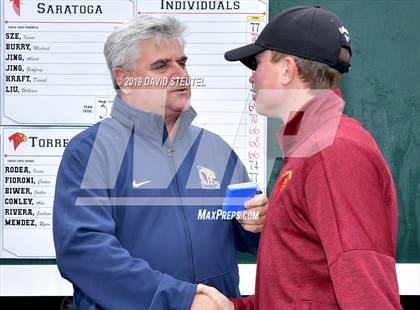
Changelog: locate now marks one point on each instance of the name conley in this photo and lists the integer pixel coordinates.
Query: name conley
(18, 201)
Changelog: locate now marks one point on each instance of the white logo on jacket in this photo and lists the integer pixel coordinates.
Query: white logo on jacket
(208, 178)
(137, 185)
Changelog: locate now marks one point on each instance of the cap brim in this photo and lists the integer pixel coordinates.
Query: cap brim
(245, 54)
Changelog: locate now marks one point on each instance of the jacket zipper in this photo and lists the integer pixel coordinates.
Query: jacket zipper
(184, 216)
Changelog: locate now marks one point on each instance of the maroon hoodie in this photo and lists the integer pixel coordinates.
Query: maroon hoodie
(330, 235)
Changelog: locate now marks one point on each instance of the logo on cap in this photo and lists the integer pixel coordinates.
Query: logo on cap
(345, 32)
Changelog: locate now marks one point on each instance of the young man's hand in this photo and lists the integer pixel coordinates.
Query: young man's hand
(257, 205)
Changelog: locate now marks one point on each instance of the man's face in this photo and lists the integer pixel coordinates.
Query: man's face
(159, 67)
(266, 84)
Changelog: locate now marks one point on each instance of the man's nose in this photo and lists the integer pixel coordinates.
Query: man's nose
(180, 70)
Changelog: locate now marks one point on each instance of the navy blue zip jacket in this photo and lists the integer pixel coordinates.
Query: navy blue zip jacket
(128, 213)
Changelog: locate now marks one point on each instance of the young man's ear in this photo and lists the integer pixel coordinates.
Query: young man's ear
(288, 71)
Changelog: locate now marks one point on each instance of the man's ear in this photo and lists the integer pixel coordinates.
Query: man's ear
(288, 71)
(120, 75)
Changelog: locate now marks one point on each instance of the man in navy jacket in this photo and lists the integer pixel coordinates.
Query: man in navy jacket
(130, 189)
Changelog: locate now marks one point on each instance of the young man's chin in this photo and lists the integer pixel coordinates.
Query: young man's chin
(263, 108)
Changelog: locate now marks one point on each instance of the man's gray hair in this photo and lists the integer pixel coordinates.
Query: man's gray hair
(122, 48)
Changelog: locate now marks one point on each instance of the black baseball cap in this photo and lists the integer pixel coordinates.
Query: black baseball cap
(303, 31)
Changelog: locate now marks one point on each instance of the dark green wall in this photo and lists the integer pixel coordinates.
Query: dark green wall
(382, 91)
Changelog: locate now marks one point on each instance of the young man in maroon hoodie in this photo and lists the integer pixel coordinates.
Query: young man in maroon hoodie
(330, 235)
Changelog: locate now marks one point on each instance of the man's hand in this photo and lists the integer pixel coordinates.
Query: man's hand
(203, 302)
(221, 301)
(257, 204)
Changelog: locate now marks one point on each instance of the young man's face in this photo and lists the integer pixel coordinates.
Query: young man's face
(160, 68)
(266, 84)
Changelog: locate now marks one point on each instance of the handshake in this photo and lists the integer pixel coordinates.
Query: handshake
(209, 298)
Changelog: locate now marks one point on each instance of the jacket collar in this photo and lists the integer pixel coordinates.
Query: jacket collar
(313, 127)
(147, 123)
